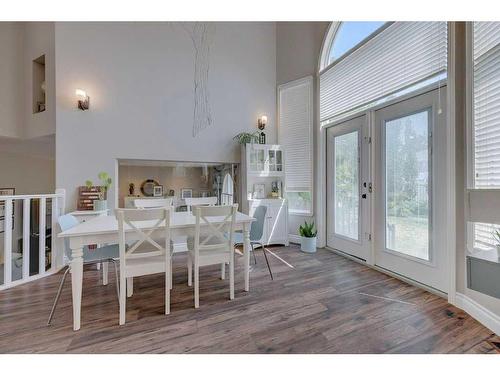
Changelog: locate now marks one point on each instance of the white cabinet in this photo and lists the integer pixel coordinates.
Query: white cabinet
(262, 168)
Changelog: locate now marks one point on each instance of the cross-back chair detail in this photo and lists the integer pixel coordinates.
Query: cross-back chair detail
(146, 255)
(212, 243)
(153, 203)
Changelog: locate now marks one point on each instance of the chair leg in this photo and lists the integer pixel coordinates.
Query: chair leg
(253, 252)
(130, 286)
(115, 266)
(105, 268)
(231, 276)
(58, 295)
(196, 284)
(123, 296)
(267, 261)
(171, 272)
(190, 270)
(167, 289)
(222, 271)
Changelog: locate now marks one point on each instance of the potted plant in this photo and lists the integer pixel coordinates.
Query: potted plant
(308, 237)
(496, 237)
(101, 204)
(244, 138)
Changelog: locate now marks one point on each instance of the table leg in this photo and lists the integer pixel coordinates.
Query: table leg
(246, 254)
(76, 285)
(105, 273)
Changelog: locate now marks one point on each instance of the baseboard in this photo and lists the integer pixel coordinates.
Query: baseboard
(294, 238)
(478, 312)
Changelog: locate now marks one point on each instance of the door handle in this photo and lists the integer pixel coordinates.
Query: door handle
(363, 196)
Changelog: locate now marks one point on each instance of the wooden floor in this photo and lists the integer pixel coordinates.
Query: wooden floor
(321, 303)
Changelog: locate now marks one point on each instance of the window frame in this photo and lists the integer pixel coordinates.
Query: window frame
(470, 143)
(329, 40)
(305, 80)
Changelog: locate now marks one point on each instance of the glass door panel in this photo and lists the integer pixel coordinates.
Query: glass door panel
(348, 203)
(346, 185)
(407, 185)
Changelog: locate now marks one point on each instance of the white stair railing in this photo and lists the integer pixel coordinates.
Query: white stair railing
(9, 218)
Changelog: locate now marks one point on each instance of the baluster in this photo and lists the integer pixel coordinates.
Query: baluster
(7, 242)
(57, 255)
(26, 237)
(41, 238)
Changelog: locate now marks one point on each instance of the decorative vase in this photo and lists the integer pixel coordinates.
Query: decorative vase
(308, 244)
(100, 205)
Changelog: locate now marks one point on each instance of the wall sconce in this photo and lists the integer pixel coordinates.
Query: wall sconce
(83, 99)
(261, 123)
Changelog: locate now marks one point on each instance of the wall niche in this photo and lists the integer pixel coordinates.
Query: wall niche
(39, 102)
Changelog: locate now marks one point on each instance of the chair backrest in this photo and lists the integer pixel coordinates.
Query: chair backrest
(218, 224)
(206, 201)
(142, 224)
(257, 228)
(66, 222)
(153, 203)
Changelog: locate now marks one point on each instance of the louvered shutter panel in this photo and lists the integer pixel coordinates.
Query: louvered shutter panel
(400, 56)
(486, 118)
(295, 133)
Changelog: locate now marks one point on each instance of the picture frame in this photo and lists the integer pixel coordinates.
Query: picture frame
(186, 193)
(158, 191)
(259, 191)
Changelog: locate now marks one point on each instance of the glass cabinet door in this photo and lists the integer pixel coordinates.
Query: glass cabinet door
(279, 161)
(257, 160)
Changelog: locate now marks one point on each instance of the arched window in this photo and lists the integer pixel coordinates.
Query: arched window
(364, 63)
(344, 36)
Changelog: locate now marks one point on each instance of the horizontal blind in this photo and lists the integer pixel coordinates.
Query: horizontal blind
(486, 118)
(403, 54)
(295, 133)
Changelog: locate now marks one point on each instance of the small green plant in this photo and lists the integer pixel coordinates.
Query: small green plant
(496, 237)
(243, 138)
(106, 182)
(308, 230)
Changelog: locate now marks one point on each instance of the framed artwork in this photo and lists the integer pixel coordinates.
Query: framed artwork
(259, 191)
(158, 191)
(186, 193)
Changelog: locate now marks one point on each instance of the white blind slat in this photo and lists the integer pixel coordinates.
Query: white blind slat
(295, 133)
(403, 54)
(486, 118)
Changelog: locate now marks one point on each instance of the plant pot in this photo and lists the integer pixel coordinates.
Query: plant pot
(308, 244)
(100, 205)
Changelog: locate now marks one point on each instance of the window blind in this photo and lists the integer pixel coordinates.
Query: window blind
(486, 116)
(401, 55)
(295, 133)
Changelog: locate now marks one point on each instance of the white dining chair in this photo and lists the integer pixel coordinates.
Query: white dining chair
(147, 255)
(205, 201)
(153, 203)
(148, 203)
(212, 243)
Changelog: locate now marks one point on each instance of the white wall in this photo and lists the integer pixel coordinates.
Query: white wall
(28, 173)
(139, 77)
(298, 46)
(11, 79)
(39, 40)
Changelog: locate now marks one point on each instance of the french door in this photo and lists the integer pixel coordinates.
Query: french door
(348, 186)
(409, 192)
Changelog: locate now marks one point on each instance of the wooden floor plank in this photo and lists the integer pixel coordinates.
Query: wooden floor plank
(317, 303)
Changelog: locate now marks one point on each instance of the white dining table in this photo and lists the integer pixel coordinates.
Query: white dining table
(104, 230)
